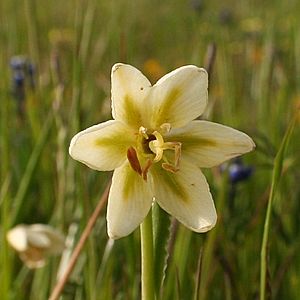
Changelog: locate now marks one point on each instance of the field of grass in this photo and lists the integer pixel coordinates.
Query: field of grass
(68, 49)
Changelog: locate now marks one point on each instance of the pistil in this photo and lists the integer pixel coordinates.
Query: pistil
(159, 145)
(150, 144)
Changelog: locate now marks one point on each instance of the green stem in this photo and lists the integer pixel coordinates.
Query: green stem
(263, 253)
(277, 171)
(147, 258)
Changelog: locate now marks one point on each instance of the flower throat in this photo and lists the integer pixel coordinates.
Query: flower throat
(152, 147)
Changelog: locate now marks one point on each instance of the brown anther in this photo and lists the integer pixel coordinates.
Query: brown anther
(177, 155)
(134, 161)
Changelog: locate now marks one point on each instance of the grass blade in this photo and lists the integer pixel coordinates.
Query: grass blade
(30, 168)
(278, 163)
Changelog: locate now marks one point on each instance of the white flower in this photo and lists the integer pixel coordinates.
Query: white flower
(157, 148)
(35, 242)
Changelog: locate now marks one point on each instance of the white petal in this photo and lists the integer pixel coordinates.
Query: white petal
(102, 147)
(129, 89)
(209, 144)
(17, 238)
(45, 236)
(185, 195)
(129, 202)
(179, 97)
(38, 239)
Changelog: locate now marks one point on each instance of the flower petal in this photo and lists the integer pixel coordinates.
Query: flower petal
(185, 195)
(38, 239)
(17, 237)
(129, 202)
(102, 147)
(179, 97)
(129, 89)
(209, 144)
(44, 236)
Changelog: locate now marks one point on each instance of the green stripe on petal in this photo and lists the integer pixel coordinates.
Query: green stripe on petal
(129, 91)
(129, 201)
(170, 181)
(104, 146)
(131, 179)
(178, 97)
(117, 139)
(185, 195)
(132, 115)
(189, 141)
(209, 144)
(162, 115)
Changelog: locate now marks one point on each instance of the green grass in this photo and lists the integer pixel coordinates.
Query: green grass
(254, 87)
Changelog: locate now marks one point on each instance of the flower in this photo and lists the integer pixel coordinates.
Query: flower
(23, 73)
(239, 172)
(157, 148)
(35, 242)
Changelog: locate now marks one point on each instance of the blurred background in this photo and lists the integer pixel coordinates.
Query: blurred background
(55, 62)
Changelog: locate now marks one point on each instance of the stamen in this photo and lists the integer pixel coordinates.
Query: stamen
(159, 139)
(134, 161)
(165, 128)
(143, 132)
(156, 146)
(153, 143)
(176, 146)
(135, 164)
(177, 154)
(169, 167)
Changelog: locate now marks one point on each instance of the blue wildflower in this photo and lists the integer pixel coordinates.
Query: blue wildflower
(239, 172)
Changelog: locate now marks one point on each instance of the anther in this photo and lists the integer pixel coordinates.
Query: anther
(134, 161)
(165, 127)
(143, 132)
(169, 167)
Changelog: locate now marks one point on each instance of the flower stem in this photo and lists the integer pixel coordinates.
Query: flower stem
(147, 258)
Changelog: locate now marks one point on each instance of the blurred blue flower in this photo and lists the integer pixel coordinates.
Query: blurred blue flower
(18, 85)
(21, 65)
(18, 63)
(18, 79)
(238, 172)
(23, 75)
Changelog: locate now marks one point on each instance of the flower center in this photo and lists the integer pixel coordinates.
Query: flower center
(145, 143)
(152, 146)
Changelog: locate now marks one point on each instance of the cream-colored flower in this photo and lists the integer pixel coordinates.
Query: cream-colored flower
(157, 148)
(35, 242)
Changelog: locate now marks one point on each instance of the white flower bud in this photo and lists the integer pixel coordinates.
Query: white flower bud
(35, 242)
